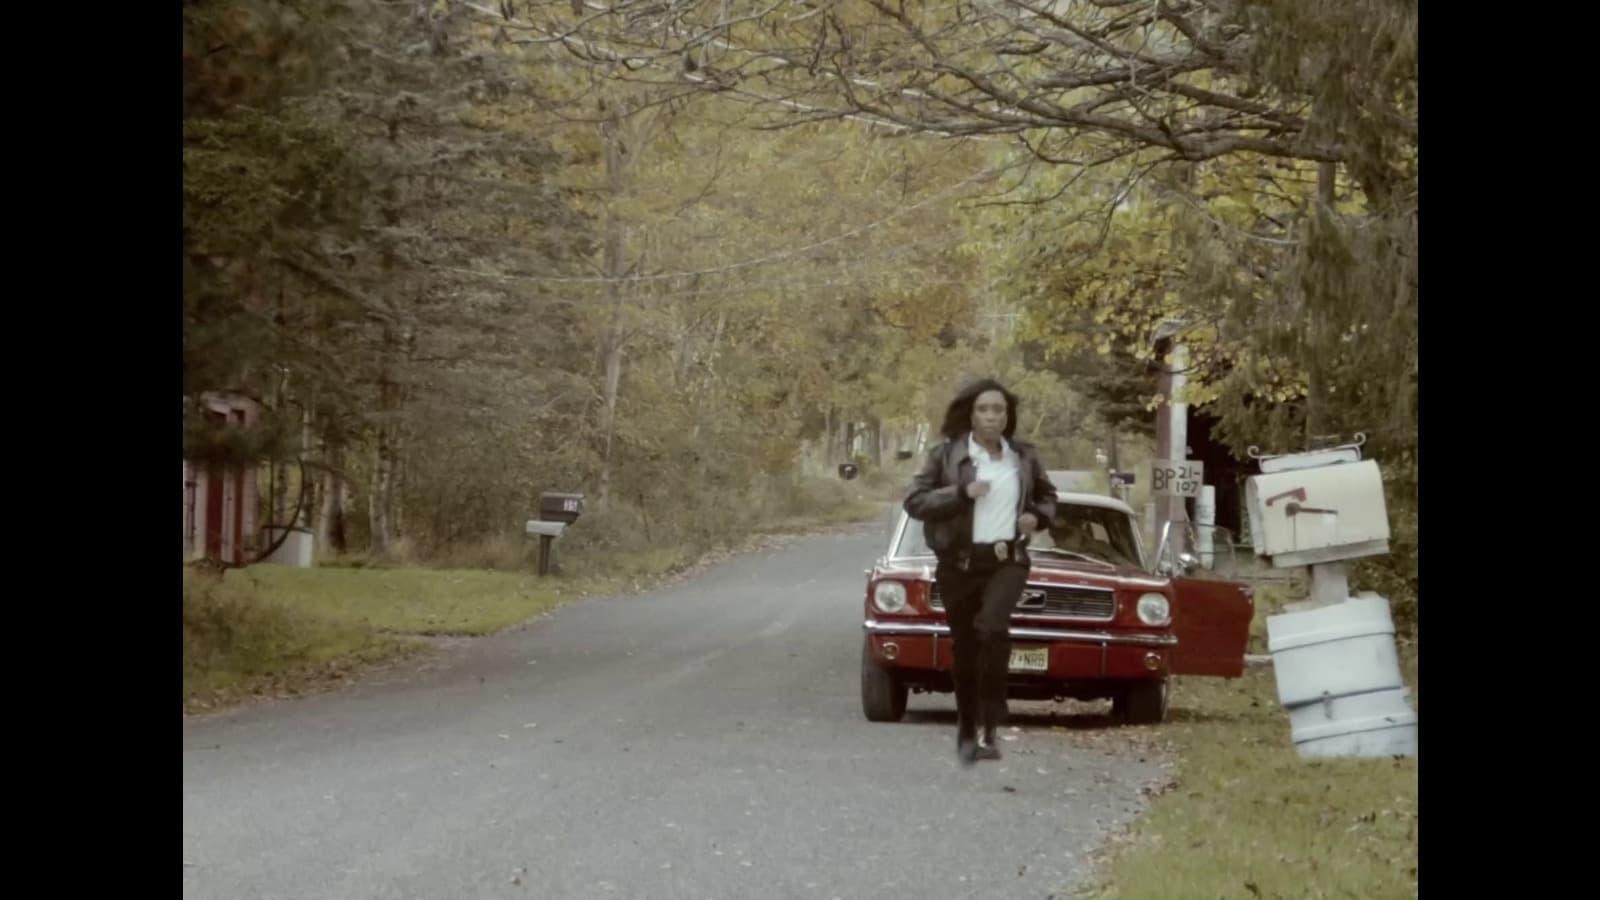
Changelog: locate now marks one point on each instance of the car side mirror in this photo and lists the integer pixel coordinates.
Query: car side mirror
(1185, 564)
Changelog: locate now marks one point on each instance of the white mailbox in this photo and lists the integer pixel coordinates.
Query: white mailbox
(1325, 513)
(545, 529)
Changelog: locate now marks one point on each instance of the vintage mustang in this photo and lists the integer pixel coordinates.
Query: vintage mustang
(1098, 619)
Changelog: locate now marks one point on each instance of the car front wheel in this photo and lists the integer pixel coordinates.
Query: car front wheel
(1145, 703)
(883, 694)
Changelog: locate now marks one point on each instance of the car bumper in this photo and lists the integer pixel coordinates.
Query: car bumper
(1073, 654)
(873, 626)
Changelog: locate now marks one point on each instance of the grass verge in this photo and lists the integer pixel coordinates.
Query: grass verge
(240, 640)
(1248, 818)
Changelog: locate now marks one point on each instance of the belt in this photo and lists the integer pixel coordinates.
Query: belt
(997, 553)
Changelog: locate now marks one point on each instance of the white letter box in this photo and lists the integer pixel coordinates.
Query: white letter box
(1307, 516)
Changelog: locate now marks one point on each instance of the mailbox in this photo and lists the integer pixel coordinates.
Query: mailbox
(536, 528)
(554, 507)
(556, 512)
(1327, 513)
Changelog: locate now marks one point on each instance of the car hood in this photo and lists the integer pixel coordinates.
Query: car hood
(1045, 570)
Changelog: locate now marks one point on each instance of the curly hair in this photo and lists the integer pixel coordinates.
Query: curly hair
(958, 416)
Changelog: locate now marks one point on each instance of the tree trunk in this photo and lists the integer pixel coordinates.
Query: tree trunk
(1316, 380)
(875, 440)
(310, 488)
(378, 496)
(686, 340)
(613, 264)
(330, 521)
(397, 480)
(827, 438)
(398, 437)
(379, 502)
(609, 415)
(707, 384)
(280, 492)
(680, 370)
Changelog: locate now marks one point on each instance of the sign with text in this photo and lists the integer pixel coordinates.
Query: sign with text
(1176, 478)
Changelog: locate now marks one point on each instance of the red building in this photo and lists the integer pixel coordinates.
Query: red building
(219, 500)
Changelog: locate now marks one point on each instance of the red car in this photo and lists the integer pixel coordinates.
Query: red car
(1098, 618)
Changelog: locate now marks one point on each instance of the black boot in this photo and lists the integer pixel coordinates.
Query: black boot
(967, 749)
(992, 696)
(989, 747)
(966, 741)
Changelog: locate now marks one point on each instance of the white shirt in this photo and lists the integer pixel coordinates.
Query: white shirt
(994, 515)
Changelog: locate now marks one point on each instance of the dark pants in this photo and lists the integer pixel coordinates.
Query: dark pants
(978, 604)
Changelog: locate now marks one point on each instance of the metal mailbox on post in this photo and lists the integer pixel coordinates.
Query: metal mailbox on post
(1335, 659)
(1320, 514)
(554, 507)
(556, 512)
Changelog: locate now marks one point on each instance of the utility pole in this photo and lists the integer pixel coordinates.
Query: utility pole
(1172, 437)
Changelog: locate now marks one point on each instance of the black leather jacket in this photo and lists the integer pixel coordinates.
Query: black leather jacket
(939, 494)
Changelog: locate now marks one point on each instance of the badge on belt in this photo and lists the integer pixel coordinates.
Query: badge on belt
(1002, 550)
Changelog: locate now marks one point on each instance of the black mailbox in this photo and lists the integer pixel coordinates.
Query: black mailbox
(555, 507)
(1122, 478)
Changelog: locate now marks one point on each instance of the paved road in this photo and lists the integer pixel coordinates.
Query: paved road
(704, 740)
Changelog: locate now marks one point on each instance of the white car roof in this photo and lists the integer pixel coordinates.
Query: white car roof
(1094, 500)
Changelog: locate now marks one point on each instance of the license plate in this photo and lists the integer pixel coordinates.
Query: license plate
(1032, 659)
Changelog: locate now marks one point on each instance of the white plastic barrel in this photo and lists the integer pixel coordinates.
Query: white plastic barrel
(1379, 723)
(296, 549)
(1338, 674)
(1345, 648)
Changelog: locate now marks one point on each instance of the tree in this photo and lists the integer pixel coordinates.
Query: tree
(332, 224)
(1212, 106)
(1195, 79)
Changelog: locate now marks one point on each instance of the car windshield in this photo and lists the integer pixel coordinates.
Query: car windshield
(1080, 530)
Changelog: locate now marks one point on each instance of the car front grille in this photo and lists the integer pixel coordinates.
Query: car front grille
(1055, 600)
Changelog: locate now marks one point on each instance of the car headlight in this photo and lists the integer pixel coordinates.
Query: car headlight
(1154, 609)
(889, 596)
